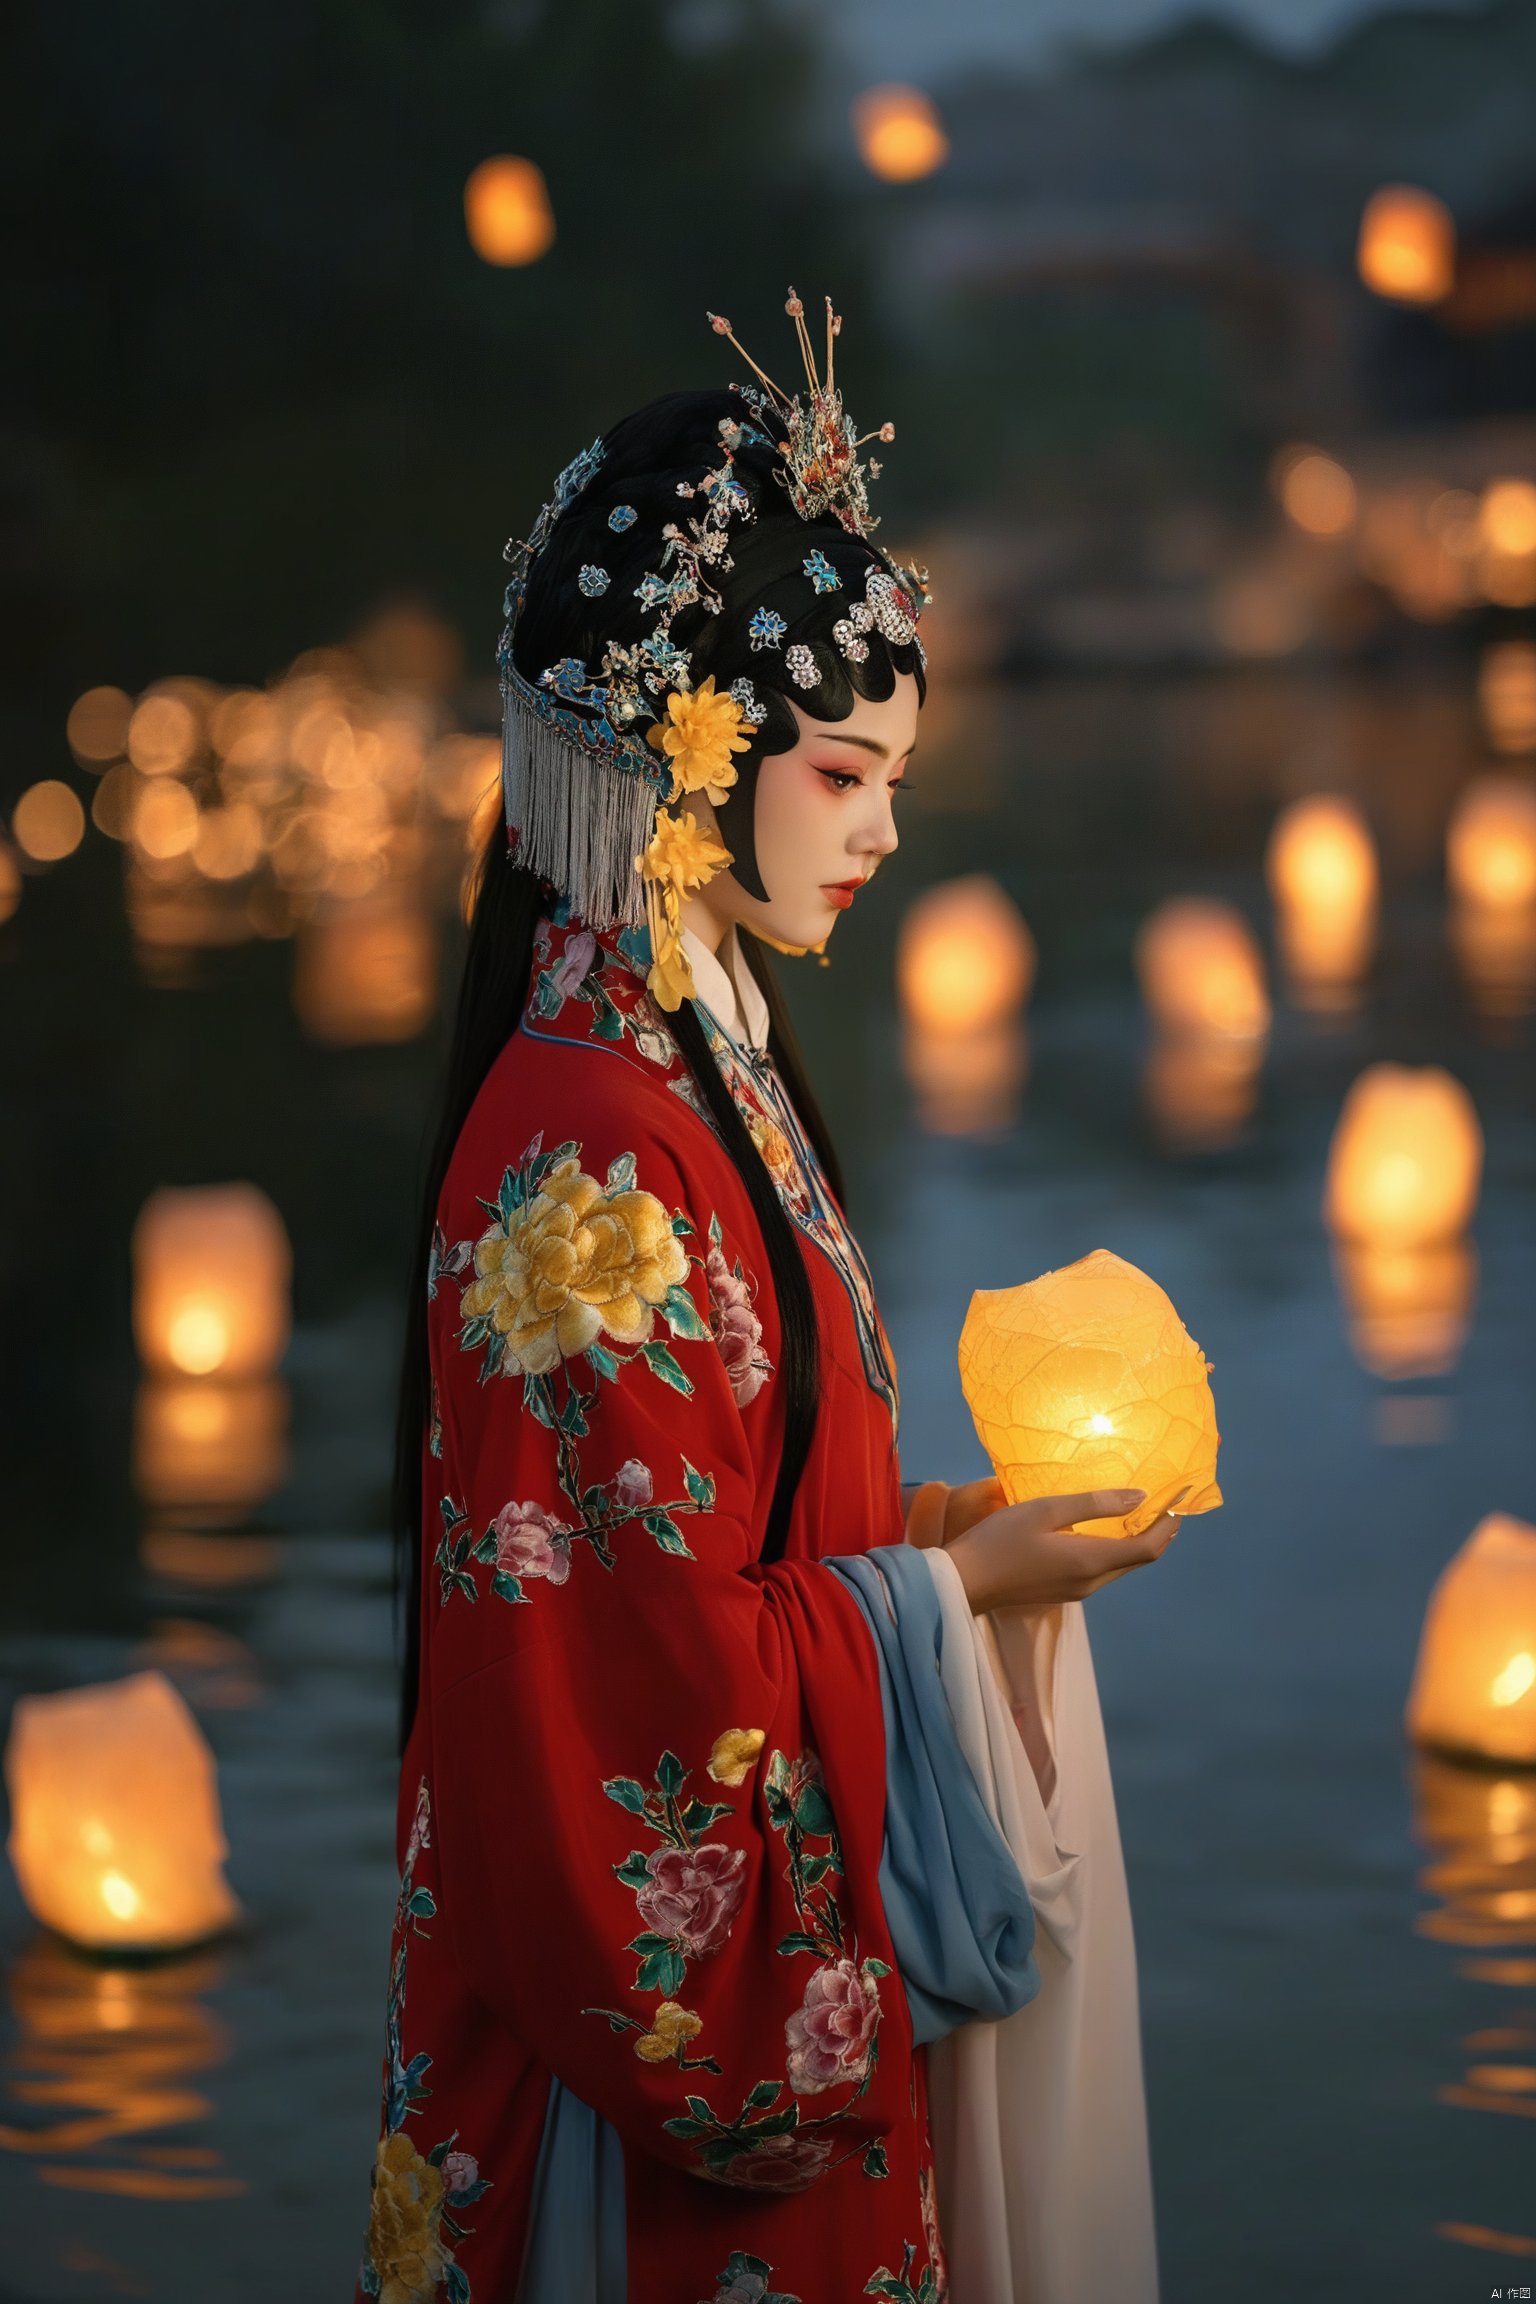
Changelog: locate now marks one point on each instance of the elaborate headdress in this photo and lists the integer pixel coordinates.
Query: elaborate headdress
(596, 756)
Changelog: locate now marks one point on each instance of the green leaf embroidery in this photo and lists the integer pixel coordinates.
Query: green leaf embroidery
(875, 2161)
(700, 1486)
(627, 1793)
(715, 1233)
(607, 1023)
(572, 1416)
(486, 1548)
(688, 2130)
(537, 1401)
(873, 1967)
(633, 1870)
(661, 1363)
(681, 1315)
(670, 1774)
(602, 1361)
(764, 2094)
(700, 1814)
(681, 1225)
(510, 1198)
(507, 1587)
(813, 1812)
(798, 1941)
(421, 1902)
(667, 1533)
(661, 1972)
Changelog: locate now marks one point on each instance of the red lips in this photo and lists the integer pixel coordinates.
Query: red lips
(841, 893)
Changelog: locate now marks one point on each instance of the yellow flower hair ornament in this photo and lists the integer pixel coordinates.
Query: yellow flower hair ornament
(679, 859)
(700, 733)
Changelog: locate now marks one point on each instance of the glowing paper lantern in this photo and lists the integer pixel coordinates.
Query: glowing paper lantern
(1490, 847)
(1321, 866)
(209, 1449)
(115, 1830)
(1409, 1308)
(899, 133)
(211, 1279)
(1087, 1378)
(507, 211)
(1406, 1158)
(1474, 1683)
(965, 958)
(1201, 970)
(1407, 245)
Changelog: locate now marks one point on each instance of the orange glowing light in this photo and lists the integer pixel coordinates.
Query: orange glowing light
(1201, 969)
(115, 1832)
(507, 211)
(366, 976)
(48, 821)
(1407, 245)
(1408, 1308)
(114, 800)
(1495, 948)
(1506, 695)
(164, 822)
(899, 133)
(211, 1280)
(1474, 1681)
(1491, 844)
(1507, 518)
(209, 1448)
(965, 958)
(1200, 1088)
(1323, 876)
(1087, 1378)
(97, 727)
(1406, 1159)
(1316, 492)
(163, 734)
(228, 843)
(967, 1083)
(10, 882)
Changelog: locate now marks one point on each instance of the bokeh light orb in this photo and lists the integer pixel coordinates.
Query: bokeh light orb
(1407, 245)
(1316, 492)
(1321, 855)
(1506, 518)
(1406, 1160)
(507, 212)
(1506, 695)
(1490, 844)
(1474, 1680)
(965, 957)
(1201, 969)
(97, 727)
(48, 821)
(10, 882)
(899, 133)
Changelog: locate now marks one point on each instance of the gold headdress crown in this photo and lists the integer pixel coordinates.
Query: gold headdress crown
(821, 453)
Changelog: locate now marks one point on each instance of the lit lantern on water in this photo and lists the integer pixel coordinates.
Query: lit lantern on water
(1201, 970)
(1490, 848)
(965, 957)
(1321, 867)
(211, 1282)
(1407, 245)
(115, 1831)
(1409, 1308)
(1474, 1683)
(507, 211)
(1087, 1378)
(1406, 1159)
(209, 1450)
(899, 133)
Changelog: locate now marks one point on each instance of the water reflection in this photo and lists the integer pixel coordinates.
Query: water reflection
(102, 2066)
(209, 1450)
(967, 1083)
(1200, 1089)
(1408, 1309)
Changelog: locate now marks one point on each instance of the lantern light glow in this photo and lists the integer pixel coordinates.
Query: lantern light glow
(1406, 1159)
(1407, 245)
(1201, 970)
(211, 1279)
(507, 211)
(1474, 1681)
(899, 133)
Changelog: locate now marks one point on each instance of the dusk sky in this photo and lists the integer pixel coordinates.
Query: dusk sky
(890, 38)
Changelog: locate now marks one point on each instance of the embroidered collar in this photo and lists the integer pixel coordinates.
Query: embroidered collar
(729, 990)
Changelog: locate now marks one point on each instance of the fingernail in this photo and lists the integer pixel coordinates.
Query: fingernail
(1134, 1495)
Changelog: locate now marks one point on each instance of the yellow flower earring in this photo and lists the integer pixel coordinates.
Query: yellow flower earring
(700, 733)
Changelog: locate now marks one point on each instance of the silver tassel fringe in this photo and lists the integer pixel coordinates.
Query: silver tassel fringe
(581, 823)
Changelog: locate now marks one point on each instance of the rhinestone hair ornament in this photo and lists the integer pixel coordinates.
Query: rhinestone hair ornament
(592, 757)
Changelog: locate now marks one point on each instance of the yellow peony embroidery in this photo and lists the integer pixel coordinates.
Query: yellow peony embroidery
(578, 1260)
(734, 1754)
(705, 729)
(774, 1149)
(403, 2243)
(679, 859)
(672, 2027)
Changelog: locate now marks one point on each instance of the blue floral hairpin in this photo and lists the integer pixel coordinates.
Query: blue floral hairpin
(821, 572)
(766, 629)
(621, 517)
(594, 581)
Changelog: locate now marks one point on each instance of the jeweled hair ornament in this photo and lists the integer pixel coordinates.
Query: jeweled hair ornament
(593, 761)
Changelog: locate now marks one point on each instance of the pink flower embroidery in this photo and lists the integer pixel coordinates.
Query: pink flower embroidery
(575, 964)
(931, 2237)
(779, 2164)
(420, 1833)
(736, 1328)
(830, 2032)
(694, 1894)
(530, 1543)
(460, 2171)
(632, 1485)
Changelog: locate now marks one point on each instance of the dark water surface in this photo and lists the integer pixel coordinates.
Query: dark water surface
(1312, 2003)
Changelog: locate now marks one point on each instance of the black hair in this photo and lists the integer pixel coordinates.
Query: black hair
(646, 457)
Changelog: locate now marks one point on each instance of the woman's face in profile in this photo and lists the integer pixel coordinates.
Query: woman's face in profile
(824, 818)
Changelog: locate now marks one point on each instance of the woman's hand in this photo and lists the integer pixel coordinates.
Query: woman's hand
(1027, 1555)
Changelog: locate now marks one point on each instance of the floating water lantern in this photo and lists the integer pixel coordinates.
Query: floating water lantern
(116, 1837)
(1322, 872)
(1490, 847)
(1087, 1378)
(1201, 969)
(1474, 1682)
(212, 1268)
(507, 211)
(899, 133)
(209, 1450)
(1407, 245)
(1406, 1159)
(965, 957)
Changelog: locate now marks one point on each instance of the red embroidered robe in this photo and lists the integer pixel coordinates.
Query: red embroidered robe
(641, 1811)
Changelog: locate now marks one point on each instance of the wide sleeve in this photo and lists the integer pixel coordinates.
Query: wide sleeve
(956, 1902)
(659, 1767)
